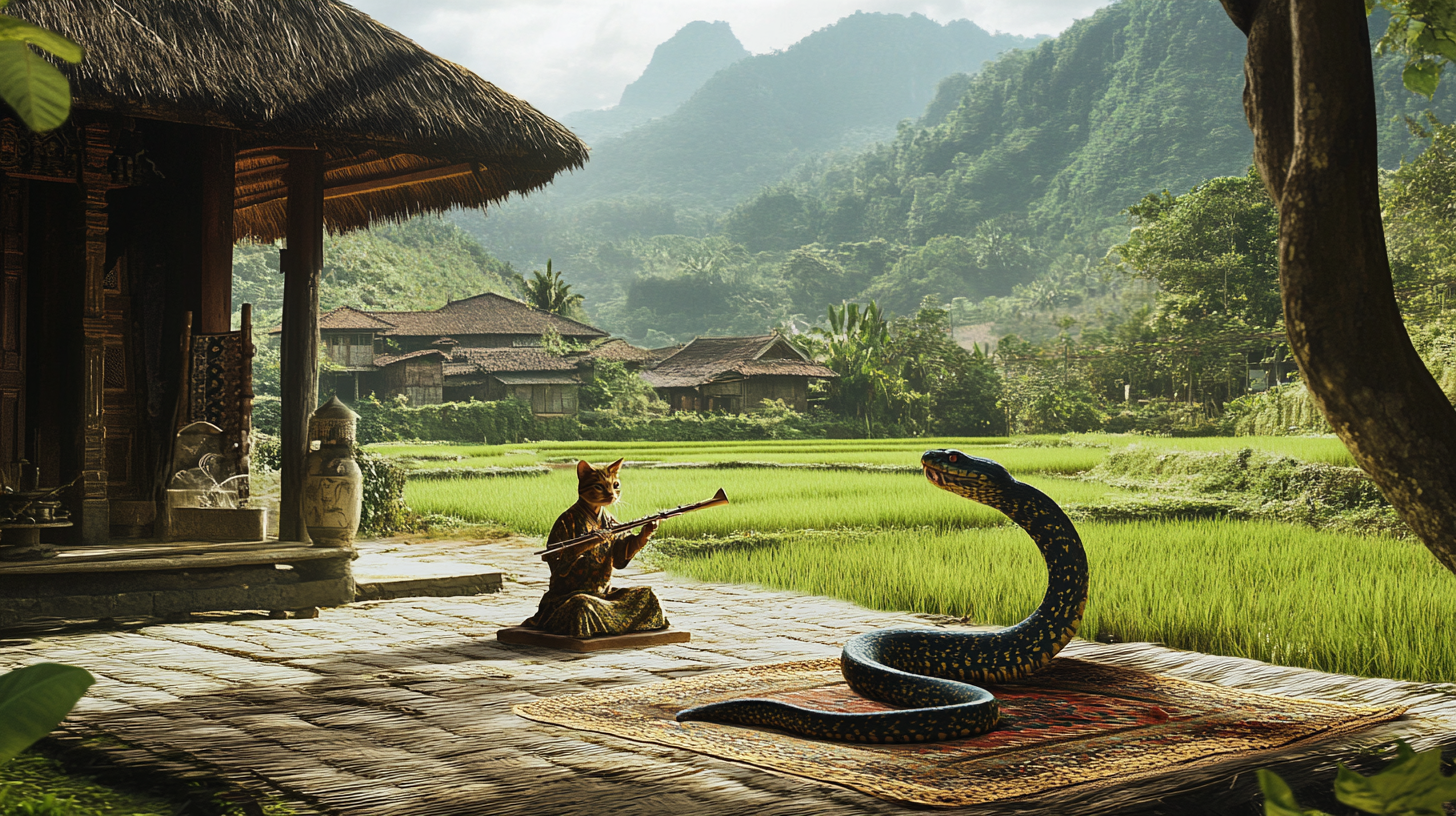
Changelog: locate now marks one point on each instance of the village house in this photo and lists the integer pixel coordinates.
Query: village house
(452, 354)
(195, 125)
(735, 374)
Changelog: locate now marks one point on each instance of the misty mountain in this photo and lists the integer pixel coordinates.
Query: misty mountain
(678, 68)
(1054, 142)
(844, 86)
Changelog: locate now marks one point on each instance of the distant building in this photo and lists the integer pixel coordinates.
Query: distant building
(454, 353)
(735, 374)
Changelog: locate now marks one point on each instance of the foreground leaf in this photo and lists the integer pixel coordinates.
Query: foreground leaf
(1279, 799)
(33, 700)
(37, 91)
(1411, 785)
(1422, 78)
(21, 31)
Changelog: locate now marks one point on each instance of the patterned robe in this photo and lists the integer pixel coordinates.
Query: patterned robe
(580, 602)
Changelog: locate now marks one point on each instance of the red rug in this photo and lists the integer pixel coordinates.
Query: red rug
(1076, 724)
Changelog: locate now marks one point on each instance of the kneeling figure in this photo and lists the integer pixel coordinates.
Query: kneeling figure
(580, 602)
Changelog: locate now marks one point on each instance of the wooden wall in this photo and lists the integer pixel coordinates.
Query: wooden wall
(420, 381)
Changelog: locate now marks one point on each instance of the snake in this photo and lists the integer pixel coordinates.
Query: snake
(933, 675)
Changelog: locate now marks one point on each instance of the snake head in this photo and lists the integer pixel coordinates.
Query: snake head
(977, 479)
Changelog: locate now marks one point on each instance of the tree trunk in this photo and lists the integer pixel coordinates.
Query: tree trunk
(1310, 101)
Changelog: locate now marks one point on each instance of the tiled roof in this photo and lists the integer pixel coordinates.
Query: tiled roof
(543, 378)
(492, 360)
(617, 349)
(708, 358)
(484, 314)
(390, 359)
(347, 318)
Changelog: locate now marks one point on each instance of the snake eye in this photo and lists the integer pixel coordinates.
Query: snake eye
(952, 457)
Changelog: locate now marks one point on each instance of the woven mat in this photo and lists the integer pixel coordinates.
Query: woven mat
(1075, 724)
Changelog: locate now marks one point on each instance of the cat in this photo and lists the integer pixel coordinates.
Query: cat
(580, 601)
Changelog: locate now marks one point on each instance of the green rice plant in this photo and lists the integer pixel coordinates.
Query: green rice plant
(1327, 449)
(761, 499)
(1369, 606)
(1060, 460)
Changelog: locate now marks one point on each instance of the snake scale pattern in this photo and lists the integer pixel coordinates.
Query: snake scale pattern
(932, 674)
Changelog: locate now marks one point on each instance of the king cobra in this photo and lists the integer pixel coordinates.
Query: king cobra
(930, 673)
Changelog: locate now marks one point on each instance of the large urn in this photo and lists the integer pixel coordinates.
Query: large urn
(333, 485)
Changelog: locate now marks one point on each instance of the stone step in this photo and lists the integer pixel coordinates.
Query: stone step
(379, 577)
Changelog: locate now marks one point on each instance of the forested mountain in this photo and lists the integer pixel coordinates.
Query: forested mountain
(845, 85)
(1056, 141)
(678, 68)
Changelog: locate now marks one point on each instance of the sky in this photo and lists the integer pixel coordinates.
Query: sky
(568, 55)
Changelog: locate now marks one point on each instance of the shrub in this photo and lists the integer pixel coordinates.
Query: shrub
(1280, 411)
(1163, 417)
(385, 511)
(267, 415)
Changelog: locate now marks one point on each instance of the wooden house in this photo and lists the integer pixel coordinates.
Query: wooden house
(735, 374)
(547, 382)
(196, 124)
(422, 354)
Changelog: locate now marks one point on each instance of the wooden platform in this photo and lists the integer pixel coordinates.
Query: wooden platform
(526, 636)
(161, 580)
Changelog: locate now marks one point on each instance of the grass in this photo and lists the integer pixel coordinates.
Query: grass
(1026, 454)
(761, 499)
(1325, 449)
(1287, 595)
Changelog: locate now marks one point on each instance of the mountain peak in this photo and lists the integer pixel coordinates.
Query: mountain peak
(681, 65)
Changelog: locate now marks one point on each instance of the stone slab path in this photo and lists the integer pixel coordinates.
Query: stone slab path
(403, 706)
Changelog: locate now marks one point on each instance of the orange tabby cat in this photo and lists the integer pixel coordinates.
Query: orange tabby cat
(580, 602)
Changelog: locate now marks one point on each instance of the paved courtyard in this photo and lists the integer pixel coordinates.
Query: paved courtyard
(404, 706)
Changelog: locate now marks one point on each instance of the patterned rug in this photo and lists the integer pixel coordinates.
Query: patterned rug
(1075, 724)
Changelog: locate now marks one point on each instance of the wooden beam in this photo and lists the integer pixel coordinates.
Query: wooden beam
(219, 164)
(379, 183)
(373, 185)
(302, 263)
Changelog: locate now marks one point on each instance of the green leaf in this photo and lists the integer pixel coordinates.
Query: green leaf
(33, 87)
(1411, 785)
(1422, 77)
(21, 31)
(34, 699)
(1279, 799)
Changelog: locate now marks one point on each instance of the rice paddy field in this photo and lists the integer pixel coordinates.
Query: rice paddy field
(1284, 593)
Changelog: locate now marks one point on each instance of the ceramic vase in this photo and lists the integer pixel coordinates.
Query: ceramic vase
(333, 494)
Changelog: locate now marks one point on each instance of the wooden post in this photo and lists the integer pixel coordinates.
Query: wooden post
(302, 262)
(95, 521)
(219, 157)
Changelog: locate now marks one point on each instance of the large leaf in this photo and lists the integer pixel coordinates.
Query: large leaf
(34, 699)
(1422, 77)
(1411, 785)
(1279, 799)
(33, 87)
(21, 31)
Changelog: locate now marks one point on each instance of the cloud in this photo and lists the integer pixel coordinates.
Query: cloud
(566, 55)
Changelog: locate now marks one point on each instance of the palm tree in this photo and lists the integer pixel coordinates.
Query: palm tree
(548, 292)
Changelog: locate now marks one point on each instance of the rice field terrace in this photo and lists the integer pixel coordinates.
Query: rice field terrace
(1285, 593)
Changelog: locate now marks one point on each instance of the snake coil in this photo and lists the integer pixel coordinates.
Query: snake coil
(932, 673)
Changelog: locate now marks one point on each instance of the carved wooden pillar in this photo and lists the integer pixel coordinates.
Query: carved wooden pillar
(95, 522)
(12, 324)
(219, 158)
(302, 262)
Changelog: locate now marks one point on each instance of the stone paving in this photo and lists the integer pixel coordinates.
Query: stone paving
(404, 706)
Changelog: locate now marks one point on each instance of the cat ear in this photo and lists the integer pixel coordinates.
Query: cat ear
(614, 467)
(582, 468)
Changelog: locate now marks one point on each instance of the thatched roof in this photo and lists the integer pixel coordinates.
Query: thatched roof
(403, 131)
(621, 351)
(707, 359)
